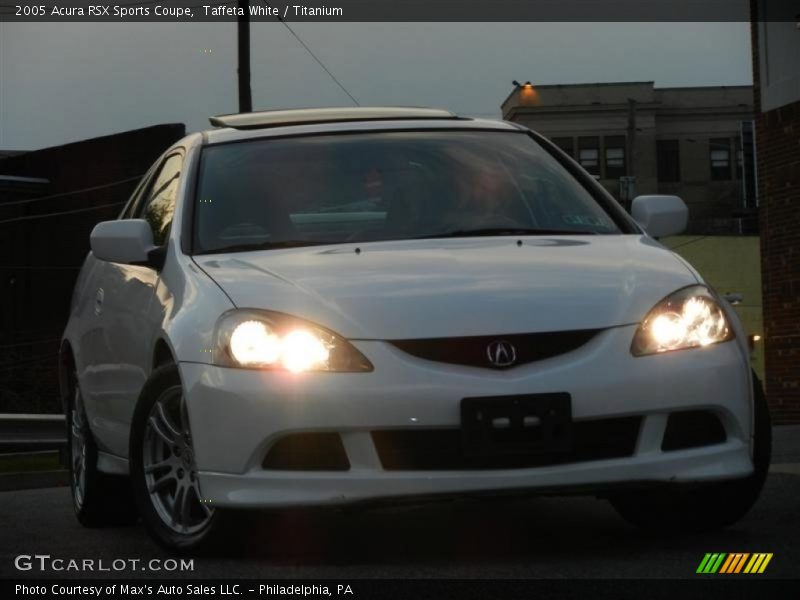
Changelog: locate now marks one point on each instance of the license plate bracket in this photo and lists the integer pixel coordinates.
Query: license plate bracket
(516, 425)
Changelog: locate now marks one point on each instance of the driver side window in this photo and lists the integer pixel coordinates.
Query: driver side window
(159, 206)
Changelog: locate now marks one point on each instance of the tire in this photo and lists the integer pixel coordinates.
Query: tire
(99, 499)
(711, 506)
(163, 471)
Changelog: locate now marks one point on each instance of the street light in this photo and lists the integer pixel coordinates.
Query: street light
(528, 95)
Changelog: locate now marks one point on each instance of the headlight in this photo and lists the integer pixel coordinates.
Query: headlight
(689, 318)
(257, 339)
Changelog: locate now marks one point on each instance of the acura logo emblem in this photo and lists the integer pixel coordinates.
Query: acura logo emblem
(501, 353)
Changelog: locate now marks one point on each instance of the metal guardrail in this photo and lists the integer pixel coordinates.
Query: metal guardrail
(31, 433)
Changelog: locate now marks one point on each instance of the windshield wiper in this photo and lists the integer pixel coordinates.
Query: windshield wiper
(501, 231)
(253, 246)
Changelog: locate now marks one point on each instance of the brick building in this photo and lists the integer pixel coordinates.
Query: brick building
(636, 138)
(776, 77)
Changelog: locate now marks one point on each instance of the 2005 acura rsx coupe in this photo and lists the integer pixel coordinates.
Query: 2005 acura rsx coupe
(333, 306)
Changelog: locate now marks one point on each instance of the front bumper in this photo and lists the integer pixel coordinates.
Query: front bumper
(237, 415)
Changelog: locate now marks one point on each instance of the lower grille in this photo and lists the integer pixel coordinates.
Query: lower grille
(318, 451)
(692, 429)
(441, 449)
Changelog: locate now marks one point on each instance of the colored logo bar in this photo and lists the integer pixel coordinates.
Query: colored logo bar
(734, 562)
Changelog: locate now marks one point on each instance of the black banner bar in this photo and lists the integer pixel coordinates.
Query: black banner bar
(706, 587)
(187, 11)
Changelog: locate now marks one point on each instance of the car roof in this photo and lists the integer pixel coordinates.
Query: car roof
(308, 121)
(304, 116)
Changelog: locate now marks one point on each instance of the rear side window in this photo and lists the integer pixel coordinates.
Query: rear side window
(384, 186)
(160, 205)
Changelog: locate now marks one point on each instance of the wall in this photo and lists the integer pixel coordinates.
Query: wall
(693, 116)
(730, 264)
(778, 157)
(40, 257)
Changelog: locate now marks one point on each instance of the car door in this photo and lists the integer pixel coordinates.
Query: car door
(130, 316)
(96, 373)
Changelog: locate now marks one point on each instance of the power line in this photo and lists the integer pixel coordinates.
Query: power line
(71, 193)
(30, 360)
(29, 343)
(39, 267)
(48, 362)
(681, 245)
(63, 212)
(314, 56)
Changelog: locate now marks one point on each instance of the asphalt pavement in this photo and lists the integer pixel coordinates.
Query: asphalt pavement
(569, 537)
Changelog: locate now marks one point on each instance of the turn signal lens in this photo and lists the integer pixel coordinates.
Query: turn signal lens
(269, 340)
(689, 318)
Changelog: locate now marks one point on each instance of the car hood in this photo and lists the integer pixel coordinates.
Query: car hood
(456, 287)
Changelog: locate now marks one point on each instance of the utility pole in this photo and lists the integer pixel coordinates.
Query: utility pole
(631, 137)
(631, 151)
(243, 71)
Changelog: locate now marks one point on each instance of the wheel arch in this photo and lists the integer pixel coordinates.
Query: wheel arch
(163, 354)
(66, 373)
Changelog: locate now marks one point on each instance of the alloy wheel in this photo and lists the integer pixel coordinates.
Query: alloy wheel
(78, 450)
(170, 470)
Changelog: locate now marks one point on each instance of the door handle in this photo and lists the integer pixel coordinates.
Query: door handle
(98, 301)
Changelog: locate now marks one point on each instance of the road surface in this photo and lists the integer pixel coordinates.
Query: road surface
(523, 538)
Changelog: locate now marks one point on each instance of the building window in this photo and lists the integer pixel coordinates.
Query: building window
(720, 153)
(615, 156)
(567, 144)
(589, 154)
(668, 160)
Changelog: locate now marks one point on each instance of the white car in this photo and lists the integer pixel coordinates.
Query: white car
(336, 306)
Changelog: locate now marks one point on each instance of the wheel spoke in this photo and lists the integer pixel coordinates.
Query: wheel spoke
(184, 507)
(159, 484)
(166, 420)
(169, 462)
(156, 427)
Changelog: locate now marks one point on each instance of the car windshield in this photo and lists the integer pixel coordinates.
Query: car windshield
(327, 189)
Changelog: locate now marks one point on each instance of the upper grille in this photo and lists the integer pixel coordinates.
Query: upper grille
(474, 351)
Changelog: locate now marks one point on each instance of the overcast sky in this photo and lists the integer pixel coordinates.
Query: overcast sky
(64, 82)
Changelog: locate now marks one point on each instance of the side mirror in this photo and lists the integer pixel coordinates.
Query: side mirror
(660, 215)
(128, 241)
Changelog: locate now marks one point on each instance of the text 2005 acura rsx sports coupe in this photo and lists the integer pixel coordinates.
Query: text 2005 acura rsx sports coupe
(333, 306)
